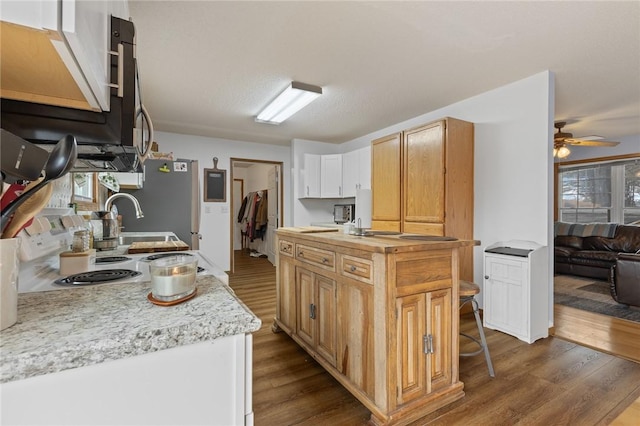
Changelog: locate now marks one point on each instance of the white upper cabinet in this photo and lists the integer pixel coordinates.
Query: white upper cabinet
(356, 171)
(310, 177)
(331, 176)
(57, 52)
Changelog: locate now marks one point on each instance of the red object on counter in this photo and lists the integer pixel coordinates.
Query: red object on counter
(11, 194)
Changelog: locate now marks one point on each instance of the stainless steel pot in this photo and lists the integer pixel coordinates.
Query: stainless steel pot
(105, 225)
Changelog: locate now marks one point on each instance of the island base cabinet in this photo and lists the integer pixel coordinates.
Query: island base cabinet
(316, 319)
(424, 342)
(380, 315)
(355, 334)
(286, 295)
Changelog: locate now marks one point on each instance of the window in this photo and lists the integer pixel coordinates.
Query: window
(600, 192)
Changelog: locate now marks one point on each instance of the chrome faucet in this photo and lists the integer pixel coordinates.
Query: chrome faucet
(134, 200)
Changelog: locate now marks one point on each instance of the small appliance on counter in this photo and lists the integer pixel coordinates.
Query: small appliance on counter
(343, 213)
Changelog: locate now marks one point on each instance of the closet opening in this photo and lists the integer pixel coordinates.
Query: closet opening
(256, 207)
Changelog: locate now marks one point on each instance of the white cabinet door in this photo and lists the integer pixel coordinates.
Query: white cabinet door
(364, 168)
(350, 173)
(331, 176)
(310, 178)
(80, 35)
(506, 290)
(356, 171)
(86, 26)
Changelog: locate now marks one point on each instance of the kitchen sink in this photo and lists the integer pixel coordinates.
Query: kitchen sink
(128, 238)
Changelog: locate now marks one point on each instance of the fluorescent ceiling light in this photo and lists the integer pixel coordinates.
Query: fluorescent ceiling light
(293, 99)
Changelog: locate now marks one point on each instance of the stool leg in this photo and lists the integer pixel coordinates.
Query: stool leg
(474, 304)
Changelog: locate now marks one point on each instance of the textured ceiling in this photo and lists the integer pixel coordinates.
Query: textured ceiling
(208, 67)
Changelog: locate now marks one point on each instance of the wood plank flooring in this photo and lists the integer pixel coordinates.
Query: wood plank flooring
(552, 381)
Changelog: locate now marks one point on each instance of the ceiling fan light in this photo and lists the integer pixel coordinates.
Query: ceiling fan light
(563, 152)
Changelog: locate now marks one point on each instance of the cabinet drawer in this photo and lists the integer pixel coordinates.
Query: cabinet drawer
(286, 247)
(316, 256)
(356, 268)
(424, 228)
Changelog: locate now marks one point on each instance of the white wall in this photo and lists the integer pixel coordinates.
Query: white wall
(513, 162)
(215, 217)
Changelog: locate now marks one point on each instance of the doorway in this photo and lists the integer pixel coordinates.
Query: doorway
(254, 181)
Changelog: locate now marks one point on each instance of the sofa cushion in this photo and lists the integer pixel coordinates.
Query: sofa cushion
(568, 241)
(603, 259)
(626, 240)
(563, 254)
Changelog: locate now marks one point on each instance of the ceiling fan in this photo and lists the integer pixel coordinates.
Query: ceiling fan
(561, 140)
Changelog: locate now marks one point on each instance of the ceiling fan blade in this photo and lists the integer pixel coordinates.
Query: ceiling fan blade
(582, 142)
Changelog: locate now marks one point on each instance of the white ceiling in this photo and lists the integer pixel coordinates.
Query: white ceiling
(208, 67)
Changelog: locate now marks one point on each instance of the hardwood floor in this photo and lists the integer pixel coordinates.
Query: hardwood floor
(552, 381)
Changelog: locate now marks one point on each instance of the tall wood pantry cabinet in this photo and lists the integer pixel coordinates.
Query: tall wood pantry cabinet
(422, 183)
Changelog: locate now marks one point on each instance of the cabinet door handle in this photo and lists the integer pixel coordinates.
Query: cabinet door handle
(427, 344)
(486, 277)
(312, 311)
(120, 84)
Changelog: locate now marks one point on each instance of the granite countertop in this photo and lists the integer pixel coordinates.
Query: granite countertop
(65, 329)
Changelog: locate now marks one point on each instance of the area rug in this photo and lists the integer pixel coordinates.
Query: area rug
(591, 295)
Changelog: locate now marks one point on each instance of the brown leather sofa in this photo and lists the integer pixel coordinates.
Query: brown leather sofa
(594, 256)
(625, 279)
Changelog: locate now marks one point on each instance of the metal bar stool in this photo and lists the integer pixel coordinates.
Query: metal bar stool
(467, 291)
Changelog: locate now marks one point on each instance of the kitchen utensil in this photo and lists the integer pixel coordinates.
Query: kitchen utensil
(21, 159)
(28, 209)
(173, 278)
(156, 246)
(61, 160)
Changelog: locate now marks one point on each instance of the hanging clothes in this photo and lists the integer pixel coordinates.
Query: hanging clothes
(253, 215)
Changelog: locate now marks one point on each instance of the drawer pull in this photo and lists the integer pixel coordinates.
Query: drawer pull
(325, 260)
(353, 268)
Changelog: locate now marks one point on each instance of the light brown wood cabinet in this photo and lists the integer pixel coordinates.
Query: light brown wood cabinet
(316, 312)
(379, 314)
(422, 183)
(386, 183)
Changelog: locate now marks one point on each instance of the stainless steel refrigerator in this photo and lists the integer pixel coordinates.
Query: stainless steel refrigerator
(169, 198)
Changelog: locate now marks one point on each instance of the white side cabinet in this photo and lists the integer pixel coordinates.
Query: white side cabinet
(58, 51)
(130, 180)
(516, 289)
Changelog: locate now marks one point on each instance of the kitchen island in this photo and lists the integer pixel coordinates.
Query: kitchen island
(106, 355)
(379, 313)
